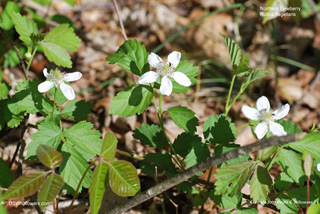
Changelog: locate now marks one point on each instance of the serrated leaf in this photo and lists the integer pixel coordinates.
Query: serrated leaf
(225, 201)
(243, 66)
(182, 143)
(207, 126)
(64, 36)
(271, 4)
(82, 135)
(157, 163)
(97, 187)
(72, 168)
(234, 51)
(49, 134)
(222, 130)
(6, 177)
(131, 56)
(283, 182)
(4, 90)
(184, 118)
(310, 143)
(50, 189)
(256, 74)
(77, 110)
(49, 156)
(109, 146)
(232, 177)
(198, 152)
(260, 183)
(285, 204)
(289, 127)
(150, 135)
(291, 163)
(264, 154)
(24, 26)
(123, 178)
(6, 22)
(24, 186)
(132, 100)
(300, 194)
(56, 54)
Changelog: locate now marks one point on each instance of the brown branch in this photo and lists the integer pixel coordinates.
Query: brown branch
(120, 20)
(210, 162)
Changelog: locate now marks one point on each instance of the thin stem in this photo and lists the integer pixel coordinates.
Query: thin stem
(54, 103)
(127, 154)
(79, 184)
(241, 127)
(229, 95)
(30, 60)
(120, 20)
(308, 193)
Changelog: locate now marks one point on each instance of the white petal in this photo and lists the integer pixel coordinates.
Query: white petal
(277, 129)
(148, 77)
(45, 86)
(263, 103)
(249, 112)
(166, 86)
(318, 167)
(45, 72)
(282, 112)
(261, 130)
(181, 78)
(174, 58)
(67, 91)
(69, 77)
(154, 59)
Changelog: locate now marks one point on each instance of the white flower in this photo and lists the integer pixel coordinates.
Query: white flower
(318, 167)
(56, 78)
(165, 70)
(267, 117)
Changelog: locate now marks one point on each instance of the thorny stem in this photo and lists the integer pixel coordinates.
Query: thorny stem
(227, 109)
(79, 184)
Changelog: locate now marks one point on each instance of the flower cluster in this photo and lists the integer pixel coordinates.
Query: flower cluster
(267, 117)
(165, 70)
(56, 78)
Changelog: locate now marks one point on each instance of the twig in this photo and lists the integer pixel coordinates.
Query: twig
(311, 88)
(315, 10)
(120, 20)
(210, 162)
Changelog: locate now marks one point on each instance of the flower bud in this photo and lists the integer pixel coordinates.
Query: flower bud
(27, 55)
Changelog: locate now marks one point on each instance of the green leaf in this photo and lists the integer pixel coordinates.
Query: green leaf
(4, 90)
(254, 75)
(72, 168)
(6, 177)
(182, 143)
(220, 129)
(264, 154)
(225, 201)
(232, 177)
(315, 208)
(243, 66)
(189, 70)
(184, 118)
(70, 2)
(24, 26)
(300, 195)
(49, 156)
(49, 134)
(97, 187)
(77, 110)
(3, 210)
(61, 19)
(291, 163)
(308, 165)
(109, 146)
(289, 127)
(64, 36)
(123, 178)
(198, 153)
(260, 183)
(6, 22)
(247, 211)
(60, 98)
(158, 162)
(283, 182)
(285, 204)
(234, 51)
(132, 57)
(82, 135)
(270, 6)
(11, 58)
(150, 135)
(132, 100)
(24, 186)
(56, 54)
(50, 189)
(309, 143)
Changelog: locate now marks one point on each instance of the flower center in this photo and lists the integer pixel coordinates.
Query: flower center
(266, 116)
(165, 68)
(57, 77)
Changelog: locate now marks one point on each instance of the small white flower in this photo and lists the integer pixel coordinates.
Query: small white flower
(165, 70)
(56, 78)
(318, 167)
(267, 117)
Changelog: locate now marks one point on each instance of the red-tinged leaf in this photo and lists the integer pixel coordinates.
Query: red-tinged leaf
(109, 146)
(50, 189)
(49, 156)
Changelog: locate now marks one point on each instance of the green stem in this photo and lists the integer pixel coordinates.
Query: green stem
(241, 127)
(127, 154)
(30, 60)
(227, 109)
(54, 102)
(79, 184)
